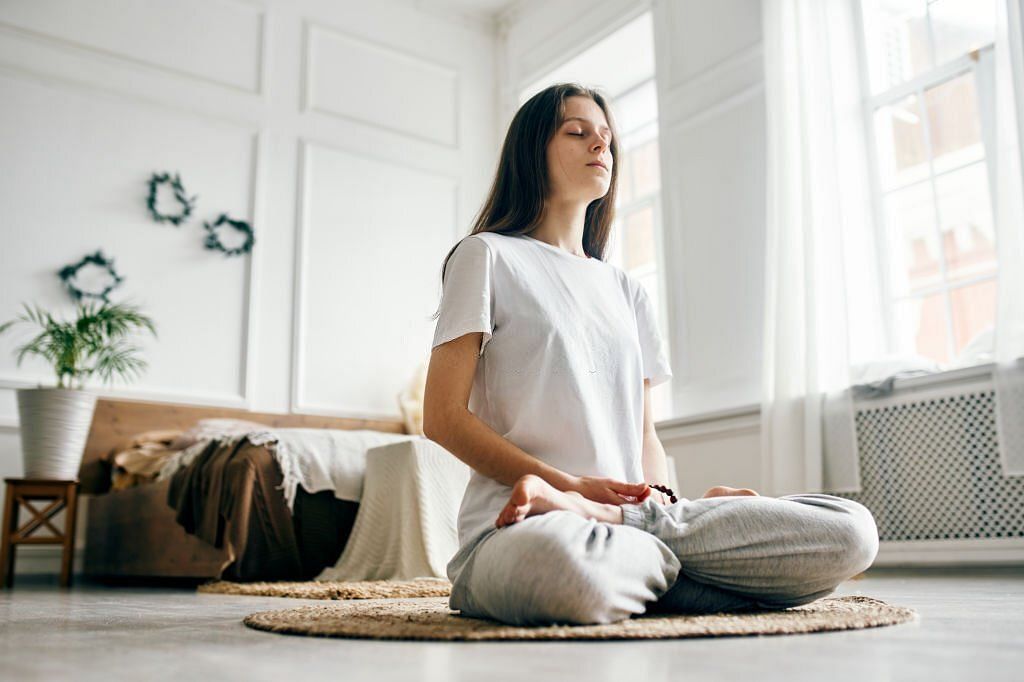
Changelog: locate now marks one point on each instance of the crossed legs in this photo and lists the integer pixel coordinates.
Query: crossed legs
(571, 564)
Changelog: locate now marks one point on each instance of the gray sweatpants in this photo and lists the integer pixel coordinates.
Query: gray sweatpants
(695, 556)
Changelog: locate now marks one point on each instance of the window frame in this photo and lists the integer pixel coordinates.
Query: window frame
(653, 200)
(932, 78)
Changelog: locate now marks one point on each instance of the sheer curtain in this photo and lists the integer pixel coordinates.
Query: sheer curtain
(822, 302)
(1000, 80)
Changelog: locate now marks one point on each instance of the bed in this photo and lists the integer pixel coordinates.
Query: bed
(135, 532)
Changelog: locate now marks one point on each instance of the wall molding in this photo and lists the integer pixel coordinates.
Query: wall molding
(157, 394)
(724, 85)
(244, 397)
(95, 52)
(308, 67)
(297, 402)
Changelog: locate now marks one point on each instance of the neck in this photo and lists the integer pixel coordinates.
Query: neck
(561, 225)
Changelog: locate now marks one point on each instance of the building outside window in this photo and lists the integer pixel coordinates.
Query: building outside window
(932, 183)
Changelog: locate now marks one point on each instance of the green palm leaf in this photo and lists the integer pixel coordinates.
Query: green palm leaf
(90, 344)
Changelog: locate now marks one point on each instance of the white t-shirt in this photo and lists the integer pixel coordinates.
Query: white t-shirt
(567, 344)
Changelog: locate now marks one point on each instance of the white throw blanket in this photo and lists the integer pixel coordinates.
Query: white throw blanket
(407, 522)
(316, 459)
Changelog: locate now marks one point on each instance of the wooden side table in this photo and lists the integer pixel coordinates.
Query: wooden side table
(21, 492)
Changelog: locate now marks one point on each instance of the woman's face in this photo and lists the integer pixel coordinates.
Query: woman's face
(578, 145)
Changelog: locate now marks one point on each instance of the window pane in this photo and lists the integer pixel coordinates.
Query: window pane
(974, 311)
(636, 108)
(896, 33)
(959, 26)
(644, 167)
(624, 192)
(639, 238)
(902, 153)
(965, 215)
(913, 241)
(921, 327)
(954, 128)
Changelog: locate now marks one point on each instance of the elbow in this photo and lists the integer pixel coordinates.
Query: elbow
(430, 430)
(435, 425)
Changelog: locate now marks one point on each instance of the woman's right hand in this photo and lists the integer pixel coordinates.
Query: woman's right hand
(610, 490)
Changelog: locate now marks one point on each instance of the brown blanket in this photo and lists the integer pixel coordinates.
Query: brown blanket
(230, 494)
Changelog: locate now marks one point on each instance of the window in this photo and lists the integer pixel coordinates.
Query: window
(931, 178)
(630, 85)
(636, 232)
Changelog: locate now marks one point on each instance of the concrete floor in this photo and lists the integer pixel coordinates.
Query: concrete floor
(971, 626)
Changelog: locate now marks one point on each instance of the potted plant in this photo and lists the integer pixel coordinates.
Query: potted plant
(55, 421)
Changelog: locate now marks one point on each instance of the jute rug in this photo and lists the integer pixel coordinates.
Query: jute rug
(334, 589)
(431, 619)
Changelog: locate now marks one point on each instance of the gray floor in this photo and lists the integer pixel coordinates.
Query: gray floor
(971, 626)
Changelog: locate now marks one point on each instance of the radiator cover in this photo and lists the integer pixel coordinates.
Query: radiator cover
(930, 474)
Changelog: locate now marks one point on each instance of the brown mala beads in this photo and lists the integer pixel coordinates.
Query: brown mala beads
(665, 489)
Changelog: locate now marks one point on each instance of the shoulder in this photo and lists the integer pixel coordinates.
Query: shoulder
(472, 248)
(627, 282)
(493, 245)
(492, 241)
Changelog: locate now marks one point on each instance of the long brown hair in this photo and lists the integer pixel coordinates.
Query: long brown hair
(515, 202)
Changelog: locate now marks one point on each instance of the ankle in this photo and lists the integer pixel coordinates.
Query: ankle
(608, 513)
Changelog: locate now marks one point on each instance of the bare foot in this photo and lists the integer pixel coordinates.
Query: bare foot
(532, 495)
(726, 491)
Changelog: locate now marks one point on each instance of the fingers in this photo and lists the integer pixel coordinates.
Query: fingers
(633, 489)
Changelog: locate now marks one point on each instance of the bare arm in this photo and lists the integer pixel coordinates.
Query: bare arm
(448, 422)
(653, 462)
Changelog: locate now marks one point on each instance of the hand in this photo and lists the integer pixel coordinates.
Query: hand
(611, 491)
(726, 491)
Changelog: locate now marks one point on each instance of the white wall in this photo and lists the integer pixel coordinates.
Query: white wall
(356, 137)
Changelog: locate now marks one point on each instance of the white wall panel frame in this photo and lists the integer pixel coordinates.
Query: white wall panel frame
(80, 46)
(242, 397)
(298, 400)
(310, 65)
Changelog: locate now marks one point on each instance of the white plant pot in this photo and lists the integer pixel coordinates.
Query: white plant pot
(54, 427)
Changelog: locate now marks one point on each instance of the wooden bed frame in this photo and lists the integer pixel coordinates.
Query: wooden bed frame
(132, 532)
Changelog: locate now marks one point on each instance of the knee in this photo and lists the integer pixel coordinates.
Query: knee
(550, 581)
(563, 587)
(857, 537)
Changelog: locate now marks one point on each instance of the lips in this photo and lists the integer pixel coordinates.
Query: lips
(599, 164)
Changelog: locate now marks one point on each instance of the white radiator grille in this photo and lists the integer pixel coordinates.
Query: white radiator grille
(930, 470)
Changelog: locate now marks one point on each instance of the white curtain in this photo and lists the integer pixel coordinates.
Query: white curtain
(822, 302)
(1000, 85)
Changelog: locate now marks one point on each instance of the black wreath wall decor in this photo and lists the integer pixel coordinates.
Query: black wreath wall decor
(186, 202)
(214, 243)
(69, 273)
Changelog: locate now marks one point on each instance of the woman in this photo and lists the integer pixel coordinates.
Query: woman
(539, 379)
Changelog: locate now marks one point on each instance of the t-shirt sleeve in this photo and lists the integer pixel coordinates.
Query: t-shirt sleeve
(652, 347)
(467, 298)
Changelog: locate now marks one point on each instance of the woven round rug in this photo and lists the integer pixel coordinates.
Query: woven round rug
(335, 589)
(431, 619)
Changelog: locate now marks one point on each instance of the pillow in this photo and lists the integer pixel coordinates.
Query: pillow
(215, 428)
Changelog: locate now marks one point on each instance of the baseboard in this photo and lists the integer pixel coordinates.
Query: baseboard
(988, 552)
